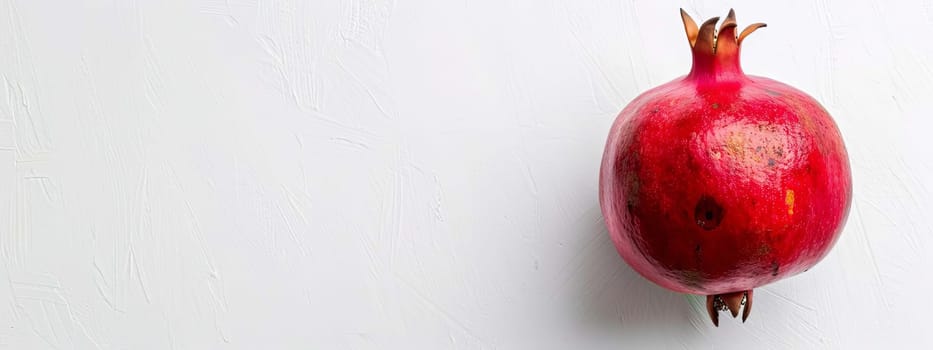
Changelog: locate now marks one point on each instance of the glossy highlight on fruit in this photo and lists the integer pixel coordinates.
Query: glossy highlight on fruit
(719, 182)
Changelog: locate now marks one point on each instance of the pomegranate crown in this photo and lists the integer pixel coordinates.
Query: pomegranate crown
(716, 52)
(706, 37)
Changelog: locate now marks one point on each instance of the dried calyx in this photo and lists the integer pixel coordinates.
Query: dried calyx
(706, 37)
(731, 302)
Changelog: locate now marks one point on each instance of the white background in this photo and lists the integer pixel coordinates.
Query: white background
(378, 174)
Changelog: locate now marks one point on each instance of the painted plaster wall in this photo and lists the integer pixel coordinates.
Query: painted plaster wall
(379, 174)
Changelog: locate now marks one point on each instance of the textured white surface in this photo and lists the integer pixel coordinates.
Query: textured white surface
(378, 174)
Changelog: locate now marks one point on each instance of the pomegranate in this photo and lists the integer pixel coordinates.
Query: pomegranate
(719, 182)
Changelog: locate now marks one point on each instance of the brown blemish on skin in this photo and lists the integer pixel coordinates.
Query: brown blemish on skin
(735, 145)
(789, 201)
(778, 151)
(708, 213)
(697, 255)
(755, 147)
(634, 188)
(807, 122)
(774, 267)
(691, 278)
(803, 114)
(756, 156)
(764, 126)
(764, 249)
(715, 106)
(811, 126)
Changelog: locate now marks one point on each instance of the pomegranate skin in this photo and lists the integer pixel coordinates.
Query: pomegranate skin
(720, 182)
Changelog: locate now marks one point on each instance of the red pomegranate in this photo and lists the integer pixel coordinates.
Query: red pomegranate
(719, 182)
